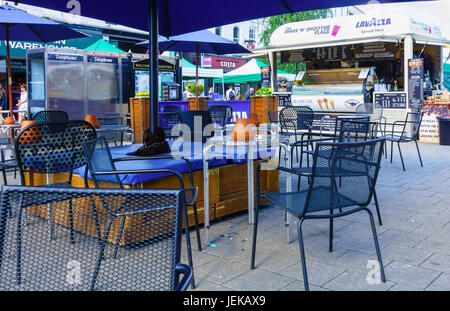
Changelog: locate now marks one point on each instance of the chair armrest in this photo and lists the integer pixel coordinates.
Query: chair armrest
(307, 141)
(188, 162)
(187, 276)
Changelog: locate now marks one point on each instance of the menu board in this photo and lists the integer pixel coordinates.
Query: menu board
(265, 76)
(297, 56)
(390, 100)
(375, 50)
(415, 83)
(284, 99)
(332, 53)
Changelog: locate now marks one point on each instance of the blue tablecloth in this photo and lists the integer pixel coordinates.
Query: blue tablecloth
(191, 151)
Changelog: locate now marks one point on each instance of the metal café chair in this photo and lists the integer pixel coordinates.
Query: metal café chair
(199, 123)
(296, 121)
(7, 164)
(151, 260)
(349, 131)
(414, 120)
(355, 166)
(221, 114)
(46, 116)
(49, 148)
(101, 165)
(168, 118)
(111, 119)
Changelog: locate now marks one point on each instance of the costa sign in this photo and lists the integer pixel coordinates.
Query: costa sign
(222, 62)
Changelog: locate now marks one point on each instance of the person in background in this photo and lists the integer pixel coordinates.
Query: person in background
(186, 92)
(211, 90)
(3, 102)
(230, 94)
(23, 102)
(251, 92)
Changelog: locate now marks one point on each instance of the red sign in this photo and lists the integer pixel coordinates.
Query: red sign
(222, 62)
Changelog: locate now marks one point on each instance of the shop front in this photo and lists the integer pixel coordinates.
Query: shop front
(392, 59)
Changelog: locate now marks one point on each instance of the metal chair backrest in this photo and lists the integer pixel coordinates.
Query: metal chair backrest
(338, 122)
(46, 116)
(52, 147)
(111, 118)
(353, 131)
(98, 158)
(273, 116)
(196, 121)
(414, 119)
(293, 118)
(353, 171)
(221, 114)
(172, 108)
(148, 259)
(364, 109)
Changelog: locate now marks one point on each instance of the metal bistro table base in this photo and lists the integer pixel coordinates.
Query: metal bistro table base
(249, 149)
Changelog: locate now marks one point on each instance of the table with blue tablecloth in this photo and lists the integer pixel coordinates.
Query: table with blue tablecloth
(227, 176)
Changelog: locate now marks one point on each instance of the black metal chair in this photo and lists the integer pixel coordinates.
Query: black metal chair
(112, 118)
(273, 116)
(46, 116)
(168, 118)
(150, 261)
(414, 120)
(199, 123)
(55, 147)
(296, 121)
(101, 164)
(354, 166)
(221, 114)
(7, 164)
(349, 131)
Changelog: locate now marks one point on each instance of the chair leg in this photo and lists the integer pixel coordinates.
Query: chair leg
(188, 244)
(197, 228)
(119, 237)
(418, 152)
(255, 232)
(377, 207)
(377, 246)
(302, 254)
(392, 149)
(101, 253)
(19, 247)
(72, 235)
(401, 156)
(330, 243)
(5, 181)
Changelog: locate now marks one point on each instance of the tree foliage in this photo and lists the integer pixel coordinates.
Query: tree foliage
(268, 25)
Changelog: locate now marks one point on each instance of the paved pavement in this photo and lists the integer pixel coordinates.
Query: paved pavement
(414, 239)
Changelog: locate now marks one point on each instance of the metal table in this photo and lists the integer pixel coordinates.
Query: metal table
(248, 148)
(116, 128)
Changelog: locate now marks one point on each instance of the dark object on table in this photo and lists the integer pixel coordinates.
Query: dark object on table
(346, 179)
(61, 264)
(414, 120)
(51, 116)
(154, 144)
(444, 130)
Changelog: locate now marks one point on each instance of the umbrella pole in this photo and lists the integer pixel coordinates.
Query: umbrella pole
(8, 72)
(196, 76)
